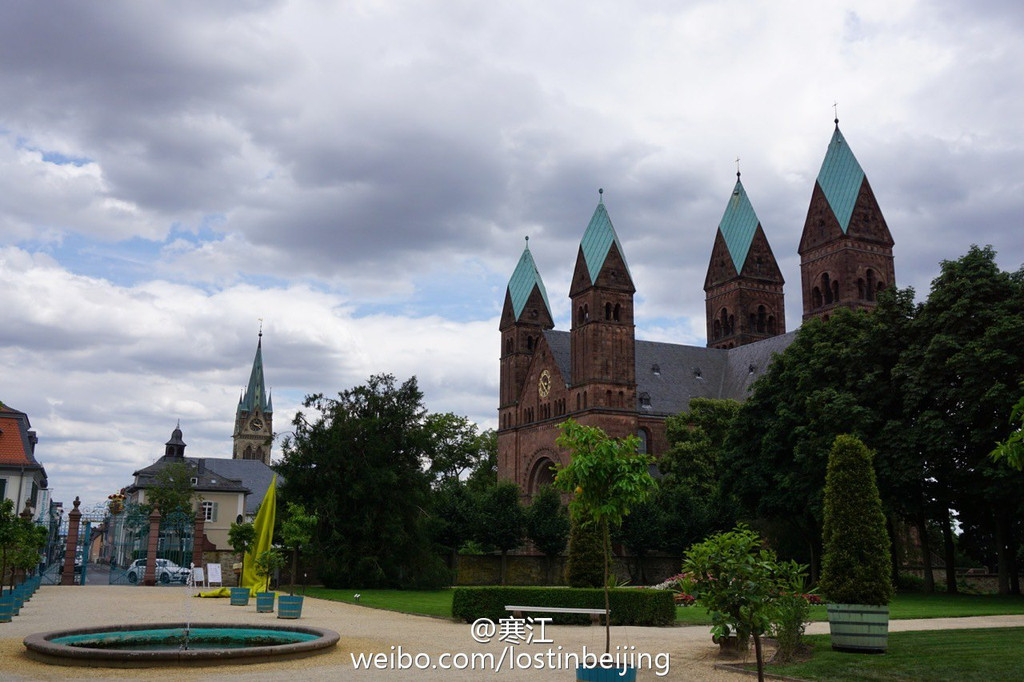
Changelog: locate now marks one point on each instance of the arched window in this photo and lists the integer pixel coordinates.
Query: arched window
(771, 324)
(835, 291)
(607, 311)
(816, 298)
(761, 319)
(644, 439)
(716, 330)
(732, 324)
(586, 312)
(248, 452)
(529, 343)
(871, 285)
(622, 399)
(861, 294)
(579, 315)
(577, 401)
(826, 287)
(724, 317)
(616, 312)
(608, 398)
(584, 400)
(508, 346)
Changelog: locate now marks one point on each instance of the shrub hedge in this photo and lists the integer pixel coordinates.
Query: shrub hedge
(629, 606)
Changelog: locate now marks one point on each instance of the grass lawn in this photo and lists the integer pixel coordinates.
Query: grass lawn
(962, 655)
(423, 602)
(905, 606)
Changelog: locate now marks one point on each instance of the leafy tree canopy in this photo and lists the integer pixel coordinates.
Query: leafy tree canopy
(172, 490)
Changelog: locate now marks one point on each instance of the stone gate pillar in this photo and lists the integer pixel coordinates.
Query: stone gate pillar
(67, 576)
(154, 537)
(199, 540)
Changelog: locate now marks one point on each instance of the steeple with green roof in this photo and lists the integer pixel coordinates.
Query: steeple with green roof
(254, 416)
(524, 281)
(525, 315)
(743, 286)
(598, 240)
(846, 247)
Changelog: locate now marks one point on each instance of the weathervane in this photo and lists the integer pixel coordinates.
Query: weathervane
(835, 108)
(737, 168)
(261, 327)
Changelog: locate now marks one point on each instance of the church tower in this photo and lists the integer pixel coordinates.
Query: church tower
(743, 287)
(846, 248)
(254, 418)
(524, 316)
(602, 342)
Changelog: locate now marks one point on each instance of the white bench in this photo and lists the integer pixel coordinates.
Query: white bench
(517, 611)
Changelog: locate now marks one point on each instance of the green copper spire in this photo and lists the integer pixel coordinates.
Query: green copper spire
(598, 240)
(840, 178)
(255, 397)
(524, 279)
(738, 225)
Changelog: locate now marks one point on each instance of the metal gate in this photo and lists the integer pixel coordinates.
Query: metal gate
(128, 537)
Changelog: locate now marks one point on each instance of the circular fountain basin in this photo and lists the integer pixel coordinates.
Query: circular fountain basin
(160, 644)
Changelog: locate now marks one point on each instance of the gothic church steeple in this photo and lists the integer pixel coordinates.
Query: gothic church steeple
(846, 247)
(254, 418)
(602, 338)
(743, 287)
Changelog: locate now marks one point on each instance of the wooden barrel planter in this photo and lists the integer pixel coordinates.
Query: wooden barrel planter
(265, 602)
(859, 628)
(239, 596)
(289, 607)
(6, 607)
(605, 675)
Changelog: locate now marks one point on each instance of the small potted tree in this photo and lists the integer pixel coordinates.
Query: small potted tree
(607, 477)
(240, 537)
(266, 563)
(296, 533)
(855, 570)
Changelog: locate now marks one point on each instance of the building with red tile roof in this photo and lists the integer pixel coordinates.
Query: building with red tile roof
(22, 477)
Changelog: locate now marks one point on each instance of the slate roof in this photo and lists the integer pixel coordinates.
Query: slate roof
(598, 240)
(523, 280)
(255, 397)
(668, 375)
(840, 178)
(17, 441)
(209, 479)
(738, 225)
(253, 473)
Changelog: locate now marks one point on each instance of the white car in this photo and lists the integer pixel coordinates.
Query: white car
(166, 571)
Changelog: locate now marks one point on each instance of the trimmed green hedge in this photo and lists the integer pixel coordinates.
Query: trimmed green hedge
(629, 606)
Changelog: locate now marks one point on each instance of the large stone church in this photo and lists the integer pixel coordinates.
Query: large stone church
(599, 374)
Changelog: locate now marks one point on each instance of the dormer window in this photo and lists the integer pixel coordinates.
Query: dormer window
(645, 400)
(193, 481)
(656, 370)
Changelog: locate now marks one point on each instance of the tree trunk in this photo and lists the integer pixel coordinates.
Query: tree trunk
(759, 656)
(949, 552)
(926, 551)
(1014, 566)
(1003, 553)
(504, 558)
(295, 571)
(894, 548)
(607, 604)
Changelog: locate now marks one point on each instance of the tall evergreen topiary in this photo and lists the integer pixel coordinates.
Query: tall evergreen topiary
(856, 563)
(585, 565)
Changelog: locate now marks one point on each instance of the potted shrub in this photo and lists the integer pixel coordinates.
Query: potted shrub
(240, 537)
(266, 563)
(296, 534)
(738, 581)
(855, 570)
(607, 477)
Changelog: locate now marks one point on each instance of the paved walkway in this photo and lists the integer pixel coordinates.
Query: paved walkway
(689, 651)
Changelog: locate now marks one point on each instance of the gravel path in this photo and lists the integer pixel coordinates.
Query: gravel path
(689, 651)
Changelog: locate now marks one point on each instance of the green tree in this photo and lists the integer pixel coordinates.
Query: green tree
(836, 377)
(453, 445)
(584, 567)
(267, 562)
(642, 532)
(855, 567)
(547, 525)
(484, 473)
(241, 537)
(297, 532)
(172, 490)
(501, 521)
(697, 442)
(960, 375)
(451, 524)
(1011, 450)
(358, 464)
(737, 580)
(607, 477)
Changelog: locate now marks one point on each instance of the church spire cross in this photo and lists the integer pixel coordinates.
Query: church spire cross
(737, 168)
(835, 108)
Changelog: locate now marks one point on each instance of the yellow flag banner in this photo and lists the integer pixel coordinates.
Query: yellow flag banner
(264, 527)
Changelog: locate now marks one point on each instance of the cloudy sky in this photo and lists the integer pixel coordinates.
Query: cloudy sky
(360, 176)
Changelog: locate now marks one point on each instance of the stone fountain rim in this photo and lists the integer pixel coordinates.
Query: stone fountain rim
(40, 647)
